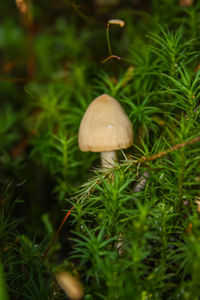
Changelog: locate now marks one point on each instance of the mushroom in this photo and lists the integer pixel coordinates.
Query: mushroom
(105, 128)
(70, 285)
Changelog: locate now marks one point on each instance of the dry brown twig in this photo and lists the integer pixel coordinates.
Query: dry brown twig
(167, 151)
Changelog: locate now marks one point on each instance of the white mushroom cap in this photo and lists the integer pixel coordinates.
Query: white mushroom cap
(105, 126)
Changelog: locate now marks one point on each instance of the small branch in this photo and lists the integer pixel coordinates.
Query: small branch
(57, 233)
(164, 153)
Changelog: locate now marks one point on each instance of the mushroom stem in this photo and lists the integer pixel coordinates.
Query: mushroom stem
(108, 159)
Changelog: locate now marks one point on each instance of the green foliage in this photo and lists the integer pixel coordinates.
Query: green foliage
(3, 287)
(134, 229)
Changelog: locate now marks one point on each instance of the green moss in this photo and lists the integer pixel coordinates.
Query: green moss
(134, 230)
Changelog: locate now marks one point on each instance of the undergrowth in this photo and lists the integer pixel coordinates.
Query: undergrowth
(132, 232)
